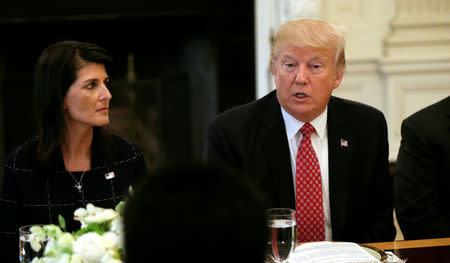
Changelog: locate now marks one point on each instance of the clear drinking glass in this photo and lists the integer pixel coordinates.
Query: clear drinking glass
(26, 252)
(281, 237)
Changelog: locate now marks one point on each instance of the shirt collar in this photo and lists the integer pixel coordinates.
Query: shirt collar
(293, 125)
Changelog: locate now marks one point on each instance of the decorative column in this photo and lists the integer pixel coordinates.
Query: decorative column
(366, 23)
(416, 65)
(421, 29)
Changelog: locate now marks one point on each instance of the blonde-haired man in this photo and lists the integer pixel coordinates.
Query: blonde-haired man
(323, 156)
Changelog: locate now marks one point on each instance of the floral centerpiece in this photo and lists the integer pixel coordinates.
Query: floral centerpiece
(99, 240)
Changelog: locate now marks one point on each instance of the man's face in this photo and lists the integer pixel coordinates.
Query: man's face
(305, 78)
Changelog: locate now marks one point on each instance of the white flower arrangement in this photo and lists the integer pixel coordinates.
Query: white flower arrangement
(99, 240)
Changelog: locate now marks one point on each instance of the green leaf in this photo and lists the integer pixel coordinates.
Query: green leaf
(120, 207)
(98, 228)
(62, 222)
(51, 252)
(130, 190)
(53, 231)
(66, 250)
(121, 253)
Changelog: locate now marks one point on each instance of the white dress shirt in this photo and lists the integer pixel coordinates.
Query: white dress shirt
(319, 141)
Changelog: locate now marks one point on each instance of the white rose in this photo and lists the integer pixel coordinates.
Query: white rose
(64, 258)
(60, 246)
(121, 238)
(92, 209)
(65, 242)
(117, 225)
(49, 260)
(91, 246)
(112, 237)
(80, 213)
(110, 257)
(93, 214)
(101, 216)
(51, 249)
(53, 231)
(117, 228)
(76, 259)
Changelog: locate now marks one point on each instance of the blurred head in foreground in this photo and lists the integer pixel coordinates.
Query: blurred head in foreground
(195, 212)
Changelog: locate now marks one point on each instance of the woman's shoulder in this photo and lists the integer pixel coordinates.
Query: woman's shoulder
(24, 156)
(124, 146)
(115, 149)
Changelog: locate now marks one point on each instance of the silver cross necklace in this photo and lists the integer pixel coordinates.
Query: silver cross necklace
(78, 184)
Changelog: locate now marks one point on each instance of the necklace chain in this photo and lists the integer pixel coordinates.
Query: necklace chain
(78, 184)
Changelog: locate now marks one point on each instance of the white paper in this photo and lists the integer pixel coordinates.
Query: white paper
(331, 252)
(392, 258)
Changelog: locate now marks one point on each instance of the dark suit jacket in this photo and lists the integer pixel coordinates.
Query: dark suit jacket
(252, 139)
(422, 180)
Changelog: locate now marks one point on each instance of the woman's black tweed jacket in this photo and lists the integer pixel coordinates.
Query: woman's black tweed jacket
(34, 192)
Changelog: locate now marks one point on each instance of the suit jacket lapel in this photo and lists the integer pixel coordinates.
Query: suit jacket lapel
(340, 141)
(276, 153)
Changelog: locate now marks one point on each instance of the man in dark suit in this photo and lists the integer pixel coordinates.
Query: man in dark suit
(421, 182)
(266, 140)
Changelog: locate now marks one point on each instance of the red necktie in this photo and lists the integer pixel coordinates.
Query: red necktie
(308, 191)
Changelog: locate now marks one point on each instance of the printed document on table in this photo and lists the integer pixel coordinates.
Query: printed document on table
(331, 252)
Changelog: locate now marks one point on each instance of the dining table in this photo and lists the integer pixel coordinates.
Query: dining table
(435, 250)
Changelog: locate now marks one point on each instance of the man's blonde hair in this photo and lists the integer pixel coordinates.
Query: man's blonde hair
(311, 33)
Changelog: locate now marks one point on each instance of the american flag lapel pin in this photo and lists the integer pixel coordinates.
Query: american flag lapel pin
(109, 175)
(344, 143)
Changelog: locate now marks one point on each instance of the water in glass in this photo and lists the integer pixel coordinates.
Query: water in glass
(26, 253)
(281, 234)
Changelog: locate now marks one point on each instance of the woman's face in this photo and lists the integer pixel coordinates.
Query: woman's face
(87, 100)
